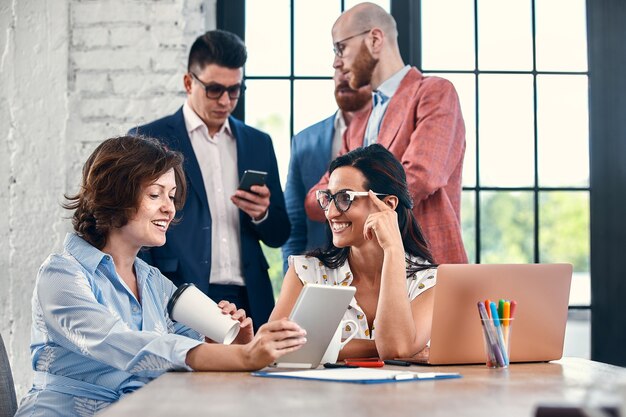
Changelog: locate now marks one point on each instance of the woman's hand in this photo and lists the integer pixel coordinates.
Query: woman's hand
(273, 340)
(383, 225)
(246, 330)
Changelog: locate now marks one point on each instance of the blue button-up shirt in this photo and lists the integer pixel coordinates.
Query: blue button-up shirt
(92, 341)
(380, 101)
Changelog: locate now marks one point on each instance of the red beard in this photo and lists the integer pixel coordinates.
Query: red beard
(351, 100)
(362, 68)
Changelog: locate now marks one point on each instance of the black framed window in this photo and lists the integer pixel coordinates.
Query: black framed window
(523, 86)
(289, 70)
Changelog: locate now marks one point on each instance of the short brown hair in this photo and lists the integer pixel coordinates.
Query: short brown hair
(113, 178)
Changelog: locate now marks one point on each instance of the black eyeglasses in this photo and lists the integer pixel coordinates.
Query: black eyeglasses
(214, 91)
(343, 199)
(338, 47)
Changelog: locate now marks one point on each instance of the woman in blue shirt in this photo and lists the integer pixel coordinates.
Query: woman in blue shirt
(100, 322)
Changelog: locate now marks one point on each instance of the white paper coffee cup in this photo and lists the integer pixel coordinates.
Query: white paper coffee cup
(191, 307)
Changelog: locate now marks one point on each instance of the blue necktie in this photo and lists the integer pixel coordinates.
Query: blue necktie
(373, 124)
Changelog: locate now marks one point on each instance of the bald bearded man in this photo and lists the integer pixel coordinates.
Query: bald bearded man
(417, 118)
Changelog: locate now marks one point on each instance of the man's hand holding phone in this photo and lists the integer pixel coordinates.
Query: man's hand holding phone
(253, 196)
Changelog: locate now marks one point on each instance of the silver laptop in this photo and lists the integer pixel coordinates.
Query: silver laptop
(538, 330)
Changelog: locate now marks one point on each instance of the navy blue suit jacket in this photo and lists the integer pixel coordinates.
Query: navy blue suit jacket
(186, 256)
(310, 157)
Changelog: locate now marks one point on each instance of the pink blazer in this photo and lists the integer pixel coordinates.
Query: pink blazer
(423, 127)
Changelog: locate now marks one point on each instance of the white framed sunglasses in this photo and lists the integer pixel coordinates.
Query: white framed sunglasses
(343, 199)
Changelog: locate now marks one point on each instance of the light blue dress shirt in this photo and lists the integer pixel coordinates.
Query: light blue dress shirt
(91, 340)
(380, 101)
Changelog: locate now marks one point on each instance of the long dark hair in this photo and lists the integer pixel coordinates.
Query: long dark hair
(113, 178)
(383, 174)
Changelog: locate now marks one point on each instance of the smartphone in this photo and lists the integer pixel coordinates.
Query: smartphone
(250, 178)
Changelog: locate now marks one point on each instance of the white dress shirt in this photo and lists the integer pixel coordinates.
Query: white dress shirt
(217, 157)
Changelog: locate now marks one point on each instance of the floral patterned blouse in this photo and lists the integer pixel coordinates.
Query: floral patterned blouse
(92, 341)
(311, 270)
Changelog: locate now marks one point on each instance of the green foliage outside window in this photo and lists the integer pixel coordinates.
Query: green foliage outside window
(507, 227)
(274, 258)
(564, 228)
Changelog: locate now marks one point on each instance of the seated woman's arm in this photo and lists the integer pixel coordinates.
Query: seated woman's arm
(358, 348)
(248, 351)
(271, 341)
(396, 342)
(68, 313)
(402, 325)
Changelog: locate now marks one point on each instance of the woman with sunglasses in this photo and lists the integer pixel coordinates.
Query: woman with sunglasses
(377, 247)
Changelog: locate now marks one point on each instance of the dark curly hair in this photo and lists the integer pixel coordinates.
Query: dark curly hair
(383, 174)
(113, 178)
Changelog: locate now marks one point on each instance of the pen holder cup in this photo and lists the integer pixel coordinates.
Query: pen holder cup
(497, 342)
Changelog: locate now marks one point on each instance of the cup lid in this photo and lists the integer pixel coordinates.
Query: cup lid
(174, 298)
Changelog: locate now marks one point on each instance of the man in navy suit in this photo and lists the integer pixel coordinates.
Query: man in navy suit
(216, 244)
(312, 150)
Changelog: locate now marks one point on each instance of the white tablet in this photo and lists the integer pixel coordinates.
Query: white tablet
(318, 310)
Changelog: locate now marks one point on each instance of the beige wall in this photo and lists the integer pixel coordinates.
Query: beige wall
(73, 73)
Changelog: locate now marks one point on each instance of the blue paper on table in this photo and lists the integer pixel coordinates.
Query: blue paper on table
(358, 375)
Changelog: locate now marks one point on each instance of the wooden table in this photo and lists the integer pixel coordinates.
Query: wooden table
(481, 392)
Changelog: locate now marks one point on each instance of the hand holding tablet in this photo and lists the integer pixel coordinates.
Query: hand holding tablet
(318, 310)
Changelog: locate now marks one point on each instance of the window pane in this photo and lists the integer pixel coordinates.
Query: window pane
(264, 59)
(448, 38)
(274, 258)
(465, 86)
(564, 236)
(578, 334)
(273, 119)
(468, 223)
(504, 35)
(314, 100)
(385, 4)
(506, 151)
(313, 52)
(506, 227)
(563, 129)
(561, 35)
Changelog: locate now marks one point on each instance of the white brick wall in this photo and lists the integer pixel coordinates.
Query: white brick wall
(72, 73)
